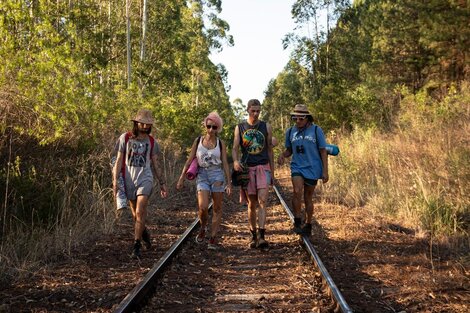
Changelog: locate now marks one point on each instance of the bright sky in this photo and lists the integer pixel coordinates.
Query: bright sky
(258, 27)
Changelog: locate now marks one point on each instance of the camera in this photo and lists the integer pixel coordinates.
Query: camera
(300, 149)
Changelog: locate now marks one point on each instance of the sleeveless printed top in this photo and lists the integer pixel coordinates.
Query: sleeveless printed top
(208, 157)
(253, 141)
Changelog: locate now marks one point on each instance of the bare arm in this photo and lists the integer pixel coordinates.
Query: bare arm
(117, 171)
(324, 161)
(270, 150)
(159, 176)
(226, 168)
(235, 150)
(191, 156)
(285, 154)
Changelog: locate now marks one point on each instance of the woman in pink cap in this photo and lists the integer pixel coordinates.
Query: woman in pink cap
(211, 155)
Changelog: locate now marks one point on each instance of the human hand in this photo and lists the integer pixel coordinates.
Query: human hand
(325, 178)
(163, 191)
(281, 159)
(237, 166)
(228, 189)
(180, 184)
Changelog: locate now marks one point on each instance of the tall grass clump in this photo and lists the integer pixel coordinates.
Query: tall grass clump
(54, 204)
(419, 173)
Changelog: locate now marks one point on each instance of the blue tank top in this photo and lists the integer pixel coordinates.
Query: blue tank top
(253, 141)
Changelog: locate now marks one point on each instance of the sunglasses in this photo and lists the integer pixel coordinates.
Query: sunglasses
(214, 127)
(298, 118)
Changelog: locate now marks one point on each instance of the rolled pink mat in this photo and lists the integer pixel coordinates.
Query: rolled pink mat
(191, 173)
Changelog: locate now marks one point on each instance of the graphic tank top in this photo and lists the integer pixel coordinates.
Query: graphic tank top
(253, 141)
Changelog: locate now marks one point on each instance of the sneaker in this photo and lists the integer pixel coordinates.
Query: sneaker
(200, 237)
(146, 239)
(253, 243)
(262, 243)
(212, 245)
(307, 229)
(136, 254)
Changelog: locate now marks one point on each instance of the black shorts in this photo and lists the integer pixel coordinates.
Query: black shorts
(307, 181)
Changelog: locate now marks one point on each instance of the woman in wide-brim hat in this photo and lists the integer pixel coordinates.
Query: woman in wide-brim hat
(305, 142)
(302, 110)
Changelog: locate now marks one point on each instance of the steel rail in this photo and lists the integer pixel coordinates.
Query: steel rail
(332, 288)
(134, 300)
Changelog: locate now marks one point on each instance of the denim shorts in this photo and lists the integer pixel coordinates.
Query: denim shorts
(207, 179)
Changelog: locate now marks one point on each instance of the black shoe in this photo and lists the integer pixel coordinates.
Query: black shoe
(253, 243)
(146, 239)
(136, 254)
(263, 244)
(297, 229)
(307, 229)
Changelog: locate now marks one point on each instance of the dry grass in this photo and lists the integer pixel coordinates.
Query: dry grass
(85, 211)
(418, 175)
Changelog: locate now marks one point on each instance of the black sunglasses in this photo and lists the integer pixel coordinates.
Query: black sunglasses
(298, 118)
(214, 127)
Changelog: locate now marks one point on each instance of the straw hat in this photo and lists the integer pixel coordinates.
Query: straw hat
(144, 117)
(301, 109)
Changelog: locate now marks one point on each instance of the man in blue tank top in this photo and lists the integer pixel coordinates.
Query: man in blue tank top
(254, 137)
(305, 142)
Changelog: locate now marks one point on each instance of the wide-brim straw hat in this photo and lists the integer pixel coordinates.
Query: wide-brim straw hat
(144, 117)
(301, 109)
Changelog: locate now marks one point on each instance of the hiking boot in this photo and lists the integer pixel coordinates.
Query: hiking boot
(136, 254)
(212, 245)
(200, 237)
(146, 239)
(253, 243)
(297, 229)
(307, 229)
(262, 243)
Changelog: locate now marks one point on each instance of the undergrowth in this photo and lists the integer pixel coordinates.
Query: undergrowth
(419, 174)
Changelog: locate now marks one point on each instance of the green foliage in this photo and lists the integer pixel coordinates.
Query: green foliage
(352, 75)
(65, 87)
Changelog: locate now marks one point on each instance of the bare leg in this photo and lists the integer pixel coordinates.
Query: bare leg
(262, 198)
(298, 185)
(308, 197)
(140, 216)
(203, 203)
(217, 198)
(133, 205)
(252, 205)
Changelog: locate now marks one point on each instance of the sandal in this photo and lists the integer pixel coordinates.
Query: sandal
(200, 237)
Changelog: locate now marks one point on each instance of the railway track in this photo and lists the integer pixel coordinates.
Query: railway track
(287, 277)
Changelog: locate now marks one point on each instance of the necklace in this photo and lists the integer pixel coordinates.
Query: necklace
(209, 143)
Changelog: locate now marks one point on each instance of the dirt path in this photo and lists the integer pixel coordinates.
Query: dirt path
(237, 278)
(378, 265)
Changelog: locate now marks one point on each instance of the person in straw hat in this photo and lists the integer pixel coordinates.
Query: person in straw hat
(137, 156)
(305, 142)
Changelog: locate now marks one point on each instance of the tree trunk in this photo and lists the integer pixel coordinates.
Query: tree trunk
(128, 31)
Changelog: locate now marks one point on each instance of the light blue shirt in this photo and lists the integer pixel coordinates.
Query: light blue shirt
(309, 162)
